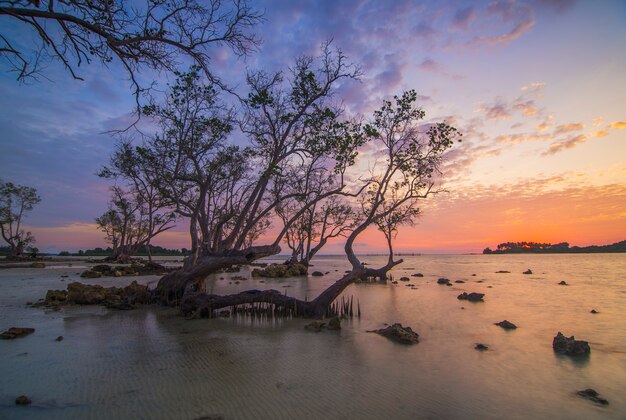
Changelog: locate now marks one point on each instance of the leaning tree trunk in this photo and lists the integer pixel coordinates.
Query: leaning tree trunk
(173, 286)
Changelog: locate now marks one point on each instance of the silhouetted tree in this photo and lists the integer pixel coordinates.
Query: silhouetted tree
(155, 34)
(15, 201)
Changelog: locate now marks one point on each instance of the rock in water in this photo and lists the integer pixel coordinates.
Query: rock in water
(443, 280)
(506, 325)
(334, 323)
(472, 297)
(15, 332)
(38, 265)
(481, 347)
(592, 394)
(23, 400)
(315, 326)
(59, 338)
(404, 279)
(529, 271)
(317, 274)
(398, 333)
(563, 283)
(417, 275)
(593, 311)
(570, 346)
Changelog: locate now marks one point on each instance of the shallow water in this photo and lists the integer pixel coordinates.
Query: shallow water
(150, 363)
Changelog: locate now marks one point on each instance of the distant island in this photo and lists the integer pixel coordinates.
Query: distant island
(105, 252)
(547, 248)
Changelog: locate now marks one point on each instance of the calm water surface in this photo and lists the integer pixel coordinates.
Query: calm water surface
(152, 364)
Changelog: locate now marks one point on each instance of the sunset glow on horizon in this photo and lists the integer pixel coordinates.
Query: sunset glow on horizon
(537, 87)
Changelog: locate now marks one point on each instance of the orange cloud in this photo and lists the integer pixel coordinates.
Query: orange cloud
(567, 144)
(568, 128)
(618, 124)
(600, 133)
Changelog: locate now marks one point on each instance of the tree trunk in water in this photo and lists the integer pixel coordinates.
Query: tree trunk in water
(173, 286)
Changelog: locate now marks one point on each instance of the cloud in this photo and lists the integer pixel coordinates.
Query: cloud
(522, 137)
(462, 18)
(568, 128)
(496, 111)
(528, 108)
(566, 144)
(558, 6)
(600, 133)
(519, 30)
(618, 124)
(428, 64)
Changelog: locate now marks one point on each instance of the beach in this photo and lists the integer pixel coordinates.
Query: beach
(153, 363)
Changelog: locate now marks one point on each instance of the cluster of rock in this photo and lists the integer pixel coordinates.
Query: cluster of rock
(281, 270)
(142, 269)
(112, 297)
(15, 332)
(399, 334)
(570, 346)
(472, 297)
(333, 324)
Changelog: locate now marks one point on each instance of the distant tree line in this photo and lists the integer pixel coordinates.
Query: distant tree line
(547, 248)
(105, 252)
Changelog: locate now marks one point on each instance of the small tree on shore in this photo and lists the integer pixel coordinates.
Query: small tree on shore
(15, 202)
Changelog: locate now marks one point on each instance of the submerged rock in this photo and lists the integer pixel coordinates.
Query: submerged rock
(459, 281)
(398, 333)
(563, 283)
(59, 338)
(529, 271)
(417, 275)
(481, 347)
(15, 332)
(404, 279)
(472, 297)
(315, 326)
(570, 346)
(334, 323)
(592, 394)
(280, 270)
(506, 325)
(23, 400)
(443, 280)
(317, 274)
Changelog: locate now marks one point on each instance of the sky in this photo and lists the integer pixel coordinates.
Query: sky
(537, 87)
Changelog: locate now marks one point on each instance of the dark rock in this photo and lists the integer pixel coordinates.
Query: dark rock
(38, 265)
(529, 271)
(239, 278)
(23, 400)
(593, 311)
(404, 279)
(448, 284)
(570, 346)
(417, 275)
(481, 347)
(592, 394)
(506, 325)
(281, 270)
(89, 274)
(15, 332)
(315, 326)
(56, 297)
(472, 297)
(317, 274)
(459, 281)
(563, 283)
(443, 280)
(398, 333)
(394, 282)
(502, 272)
(473, 275)
(59, 338)
(334, 324)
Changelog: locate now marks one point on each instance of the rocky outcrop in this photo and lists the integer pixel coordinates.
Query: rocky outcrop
(472, 297)
(399, 334)
(506, 325)
(570, 346)
(592, 395)
(15, 332)
(135, 269)
(122, 298)
(280, 270)
(23, 400)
